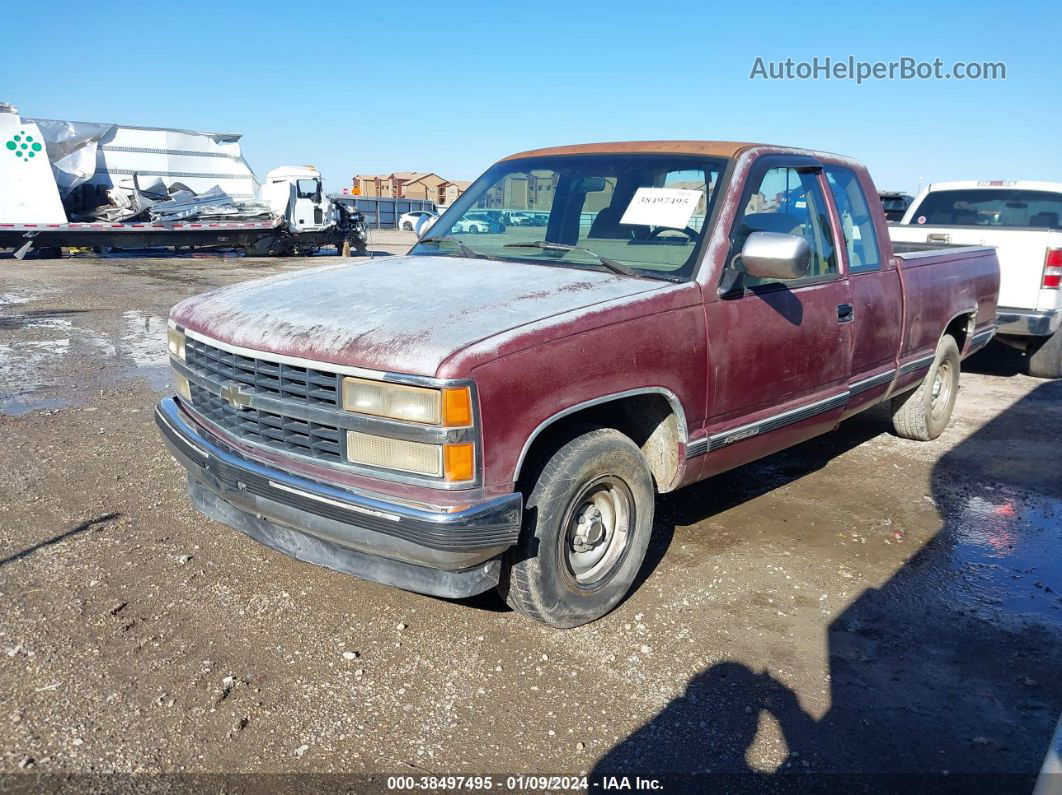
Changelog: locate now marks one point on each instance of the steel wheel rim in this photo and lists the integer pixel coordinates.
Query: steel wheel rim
(941, 390)
(597, 530)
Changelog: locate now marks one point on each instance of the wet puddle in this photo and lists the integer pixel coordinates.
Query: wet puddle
(21, 383)
(1005, 544)
(143, 345)
(43, 354)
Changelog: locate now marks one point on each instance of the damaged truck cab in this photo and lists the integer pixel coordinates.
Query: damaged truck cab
(499, 408)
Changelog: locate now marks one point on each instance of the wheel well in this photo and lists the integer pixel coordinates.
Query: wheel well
(648, 420)
(960, 328)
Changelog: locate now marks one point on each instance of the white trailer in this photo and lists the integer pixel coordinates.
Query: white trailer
(85, 184)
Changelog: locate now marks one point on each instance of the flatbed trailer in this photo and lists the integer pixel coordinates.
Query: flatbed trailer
(266, 238)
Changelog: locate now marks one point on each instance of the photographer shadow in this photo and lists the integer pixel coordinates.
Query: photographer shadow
(949, 676)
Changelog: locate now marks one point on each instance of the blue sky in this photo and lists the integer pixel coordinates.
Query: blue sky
(380, 87)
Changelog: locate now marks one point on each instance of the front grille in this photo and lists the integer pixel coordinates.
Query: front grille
(264, 427)
(271, 379)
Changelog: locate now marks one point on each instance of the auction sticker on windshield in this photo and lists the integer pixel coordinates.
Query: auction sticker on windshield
(670, 207)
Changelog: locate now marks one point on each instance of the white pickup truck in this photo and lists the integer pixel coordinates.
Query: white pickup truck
(1023, 220)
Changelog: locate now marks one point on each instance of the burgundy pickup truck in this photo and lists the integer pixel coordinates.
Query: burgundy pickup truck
(585, 327)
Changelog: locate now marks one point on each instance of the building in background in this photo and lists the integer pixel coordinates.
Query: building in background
(410, 185)
(453, 189)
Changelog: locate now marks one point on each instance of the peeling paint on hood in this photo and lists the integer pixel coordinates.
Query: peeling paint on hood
(398, 314)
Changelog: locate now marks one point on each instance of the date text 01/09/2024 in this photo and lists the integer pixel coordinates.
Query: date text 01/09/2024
(521, 783)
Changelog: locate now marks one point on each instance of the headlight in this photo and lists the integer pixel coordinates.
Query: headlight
(453, 462)
(451, 407)
(379, 451)
(175, 342)
(184, 389)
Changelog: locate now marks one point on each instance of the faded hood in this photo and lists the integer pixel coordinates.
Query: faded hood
(398, 314)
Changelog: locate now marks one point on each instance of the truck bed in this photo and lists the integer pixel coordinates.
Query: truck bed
(941, 281)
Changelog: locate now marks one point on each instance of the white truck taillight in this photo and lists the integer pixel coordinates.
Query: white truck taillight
(1053, 269)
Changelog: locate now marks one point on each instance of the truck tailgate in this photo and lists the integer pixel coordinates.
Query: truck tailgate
(1021, 254)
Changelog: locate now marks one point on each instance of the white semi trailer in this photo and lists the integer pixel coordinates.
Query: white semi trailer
(109, 186)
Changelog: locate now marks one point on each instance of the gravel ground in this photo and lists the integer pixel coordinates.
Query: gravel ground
(858, 603)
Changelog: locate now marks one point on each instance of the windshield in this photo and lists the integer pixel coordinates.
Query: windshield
(307, 188)
(636, 214)
(991, 207)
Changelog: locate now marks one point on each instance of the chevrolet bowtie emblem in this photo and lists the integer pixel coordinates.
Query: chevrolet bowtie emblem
(236, 396)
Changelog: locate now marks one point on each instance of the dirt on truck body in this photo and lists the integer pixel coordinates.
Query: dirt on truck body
(501, 406)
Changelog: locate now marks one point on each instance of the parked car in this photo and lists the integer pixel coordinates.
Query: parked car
(501, 412)
(1023, 220)
(516, 219)
(409, 221)
(492, 218)
(472, 225)
(894, 204)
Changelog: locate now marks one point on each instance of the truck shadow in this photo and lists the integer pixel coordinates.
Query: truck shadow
(997, 359)
(702, 501)
(954, 664)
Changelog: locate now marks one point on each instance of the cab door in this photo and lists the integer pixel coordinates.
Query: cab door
(306, 212)
(779, 352)
(877, 295)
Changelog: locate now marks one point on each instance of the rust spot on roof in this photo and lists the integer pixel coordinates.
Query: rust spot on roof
(712, 148)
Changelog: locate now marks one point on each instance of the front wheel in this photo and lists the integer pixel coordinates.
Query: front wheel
(587, 522)
(923, 413)
(1046, 361)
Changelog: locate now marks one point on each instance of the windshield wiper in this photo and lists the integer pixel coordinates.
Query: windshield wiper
(465, 250)
(611, 264)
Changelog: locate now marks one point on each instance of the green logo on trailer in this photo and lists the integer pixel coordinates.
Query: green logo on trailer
(24, 147)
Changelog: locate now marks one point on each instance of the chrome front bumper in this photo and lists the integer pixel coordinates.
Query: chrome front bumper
(1028, 322)
(449, 554)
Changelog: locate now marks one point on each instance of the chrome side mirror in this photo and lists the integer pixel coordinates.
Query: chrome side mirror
(423, 224)
(775, 256)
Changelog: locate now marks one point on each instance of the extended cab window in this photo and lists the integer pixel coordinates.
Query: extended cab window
(860, 236)
(789, 201)
(307, 188)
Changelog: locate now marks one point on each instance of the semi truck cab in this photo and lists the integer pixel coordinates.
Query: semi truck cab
(295, 194)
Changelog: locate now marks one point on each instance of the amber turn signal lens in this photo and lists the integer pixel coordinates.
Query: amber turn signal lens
(457, 407)
(459, 462)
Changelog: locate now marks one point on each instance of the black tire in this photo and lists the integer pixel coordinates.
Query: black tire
(407, 226)
(924, 412)
(1046, 361)
(551, 574)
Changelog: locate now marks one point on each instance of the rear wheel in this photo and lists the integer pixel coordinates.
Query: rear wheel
(1046, 361)
(587, 523)
(923, 413)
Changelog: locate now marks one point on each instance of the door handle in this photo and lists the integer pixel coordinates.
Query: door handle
(845, 313)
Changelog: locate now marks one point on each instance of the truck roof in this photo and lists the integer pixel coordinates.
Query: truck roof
(713, 148)
(1021, 184)
(293, 172)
